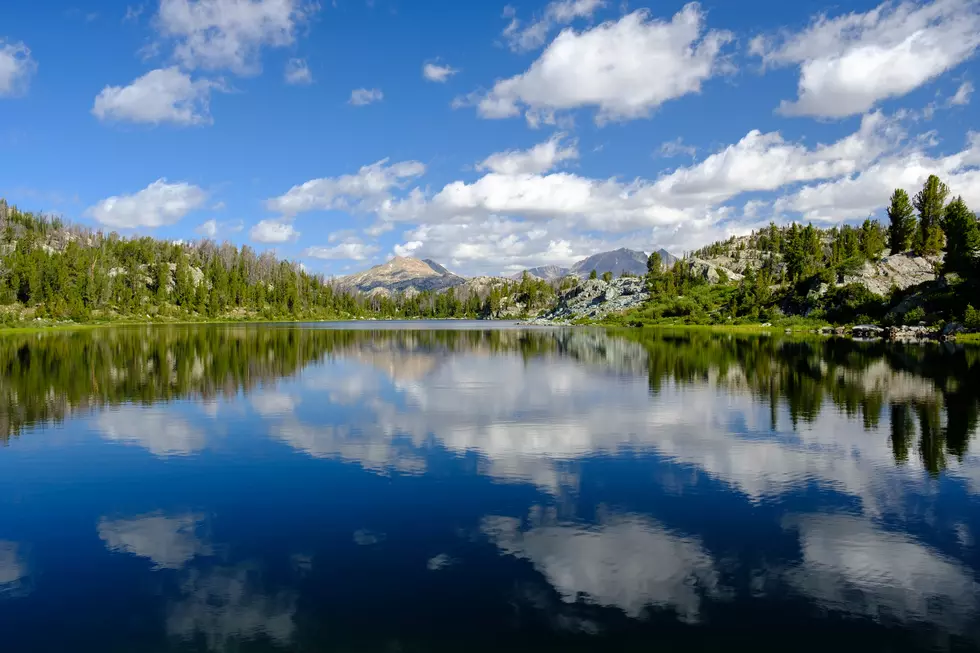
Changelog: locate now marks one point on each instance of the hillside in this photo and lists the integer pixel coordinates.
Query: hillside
(53, 272)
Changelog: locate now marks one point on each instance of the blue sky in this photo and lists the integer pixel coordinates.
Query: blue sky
(487, 136)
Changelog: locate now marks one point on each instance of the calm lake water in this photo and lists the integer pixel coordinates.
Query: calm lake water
(310, 488)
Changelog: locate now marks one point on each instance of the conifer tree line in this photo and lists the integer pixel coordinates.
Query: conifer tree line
(64, 271)
(801, 270)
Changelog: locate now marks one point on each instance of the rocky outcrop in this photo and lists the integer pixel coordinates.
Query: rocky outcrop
(899, 270)
(401, 274)
(595, 298)
(710, 272)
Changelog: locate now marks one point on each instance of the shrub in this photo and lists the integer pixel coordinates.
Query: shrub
(972, 318)
(916, 315)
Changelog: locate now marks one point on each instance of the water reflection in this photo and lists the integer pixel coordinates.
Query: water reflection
(282, 487)
(169, 541)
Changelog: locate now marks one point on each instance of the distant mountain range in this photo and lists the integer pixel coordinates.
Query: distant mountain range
(617, 261)
(403, 273)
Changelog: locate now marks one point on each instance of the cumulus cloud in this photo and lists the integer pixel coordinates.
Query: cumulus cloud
(435, 72)
(159, 96)
(366, 190)
(360, 97)
(17, 66)
(169, 541)
(857, 195)
(273, 231)
(537, 160)
(608, 68)
(161, 203)
(520, 210)
(298, 72)
(521, 38)
(851, 62)
(229, 34)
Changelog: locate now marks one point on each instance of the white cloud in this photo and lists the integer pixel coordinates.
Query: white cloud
(522, 212)
(850, 63)
(211, 228)
(435, 72)
(208, 229)
(367, 190)
(273, 231)
(351, 250)
(220, 34)
(16, 68)
(962, 95)
(298, 72)
(162, 95)
(362, 96)
(857, 195)
(609, 67)
(169, 541)
(758, 162)
(161, 433)
(158, 204)
(677, 147)
(539, 159)
(560, 12)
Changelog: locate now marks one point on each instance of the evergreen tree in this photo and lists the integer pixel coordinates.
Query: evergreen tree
(930, 203)
(902, 224)
(962, 238)
(873, 237)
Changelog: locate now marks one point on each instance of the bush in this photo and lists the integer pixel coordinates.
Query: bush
(916, 315)
(971, 319)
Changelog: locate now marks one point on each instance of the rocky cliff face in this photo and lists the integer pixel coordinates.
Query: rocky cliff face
(401, 274)
(616, 262)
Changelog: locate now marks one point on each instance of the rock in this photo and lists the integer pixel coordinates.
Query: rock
(595, 298)
(709, 271)
(953, 328)
(866, 331)
(898, 270)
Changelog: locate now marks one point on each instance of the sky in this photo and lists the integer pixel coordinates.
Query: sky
(488, 136)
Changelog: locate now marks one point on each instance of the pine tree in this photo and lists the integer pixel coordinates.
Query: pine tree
(872, 239)
(930, 202)
(901, 216)
(962, 238)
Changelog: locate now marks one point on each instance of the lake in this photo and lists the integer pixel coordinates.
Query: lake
(451, 487)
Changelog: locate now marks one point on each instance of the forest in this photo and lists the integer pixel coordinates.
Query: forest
(793, 274)
(55, 271)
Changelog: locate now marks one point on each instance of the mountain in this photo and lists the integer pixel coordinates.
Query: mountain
(400, 274)
(546, 272)
(618, 261)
